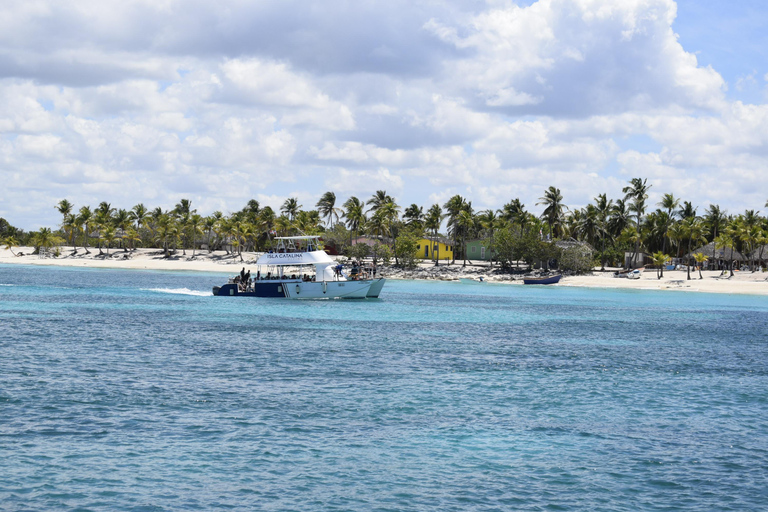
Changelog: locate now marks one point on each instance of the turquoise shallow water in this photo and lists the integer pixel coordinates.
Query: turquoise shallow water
(128, 390)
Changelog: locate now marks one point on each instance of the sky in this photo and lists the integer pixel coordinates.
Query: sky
(221, 102)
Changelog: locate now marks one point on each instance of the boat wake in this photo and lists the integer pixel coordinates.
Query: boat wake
(179, 291)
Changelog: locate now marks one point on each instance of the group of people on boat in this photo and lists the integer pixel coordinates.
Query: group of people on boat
(362, 272)
(245, 283)
(357, 272)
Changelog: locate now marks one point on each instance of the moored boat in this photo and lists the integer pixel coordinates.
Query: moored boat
(543, 280)
(298, 269)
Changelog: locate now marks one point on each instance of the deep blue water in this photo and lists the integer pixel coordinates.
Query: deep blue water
(131, 390)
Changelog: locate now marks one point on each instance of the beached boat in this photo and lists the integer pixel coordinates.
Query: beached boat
(297, 269)
(629, 273)
(543, 280)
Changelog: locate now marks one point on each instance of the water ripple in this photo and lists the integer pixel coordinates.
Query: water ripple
(136, 391)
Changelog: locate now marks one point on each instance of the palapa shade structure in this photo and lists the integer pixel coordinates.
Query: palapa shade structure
(721, 253)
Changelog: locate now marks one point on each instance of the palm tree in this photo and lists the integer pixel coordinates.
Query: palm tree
(291, 207)
(252, 210)
(619, 218)
(728, 240)
(713, 219)
(166, 232)
(65, 209)
(603, 208)
(676, 234)
(242, 231)
(283, 225)
(694, 231)
(514, 213)
(637, 194)
(45, 239)
(553, 211)
(71, 227)
(10, 242)
(327, 208)
(266, 223)
(687, 210)
(355, 215)
(656, 226)
(103, 218)
(139, 215)
(700, 258)
(308, 222)
(122, 220)
(414, 216)
(465, 222)
(659, 259)
(669, 202)
(454, 206)
(132, 236)
(750, 234)
(389, 213)
(585, 224)
(379, 199)
(432, 223)
(195, 224)
(489, 220)
(109, 235)
(183, 208)
(84, 218)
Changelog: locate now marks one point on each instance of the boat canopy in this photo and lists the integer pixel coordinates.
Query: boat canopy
(295, 258)
(296, 250)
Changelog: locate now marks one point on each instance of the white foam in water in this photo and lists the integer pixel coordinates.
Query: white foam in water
(180, 291)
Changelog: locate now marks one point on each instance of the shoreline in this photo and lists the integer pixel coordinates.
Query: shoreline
(746, 283)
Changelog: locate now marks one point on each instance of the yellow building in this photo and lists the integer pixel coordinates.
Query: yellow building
(441, 249)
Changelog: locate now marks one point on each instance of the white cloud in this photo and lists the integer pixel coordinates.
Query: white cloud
(578, 57)
(145, 101)
(363, 183)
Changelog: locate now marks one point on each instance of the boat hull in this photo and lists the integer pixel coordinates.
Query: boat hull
(298, 289)
(327, 290)
(375, 289)
(542, 280)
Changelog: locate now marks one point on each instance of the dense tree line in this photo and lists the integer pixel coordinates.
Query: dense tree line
(612, 226)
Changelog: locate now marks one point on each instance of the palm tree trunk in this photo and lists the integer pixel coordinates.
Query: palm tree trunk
(731, 262)
(464, 249)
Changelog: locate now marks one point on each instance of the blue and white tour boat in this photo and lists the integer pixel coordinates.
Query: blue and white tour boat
(298, 269)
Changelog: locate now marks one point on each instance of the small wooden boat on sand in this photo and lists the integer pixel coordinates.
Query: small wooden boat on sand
(543, 280)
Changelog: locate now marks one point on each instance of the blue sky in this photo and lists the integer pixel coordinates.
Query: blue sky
(154, 101)
(730, 37)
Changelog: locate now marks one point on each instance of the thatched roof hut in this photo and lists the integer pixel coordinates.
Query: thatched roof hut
(759, 254)
(721, 253)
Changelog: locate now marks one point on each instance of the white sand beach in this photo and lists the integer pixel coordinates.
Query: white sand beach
(755, 283)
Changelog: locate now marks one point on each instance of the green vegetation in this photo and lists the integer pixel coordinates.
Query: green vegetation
(606, 229)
